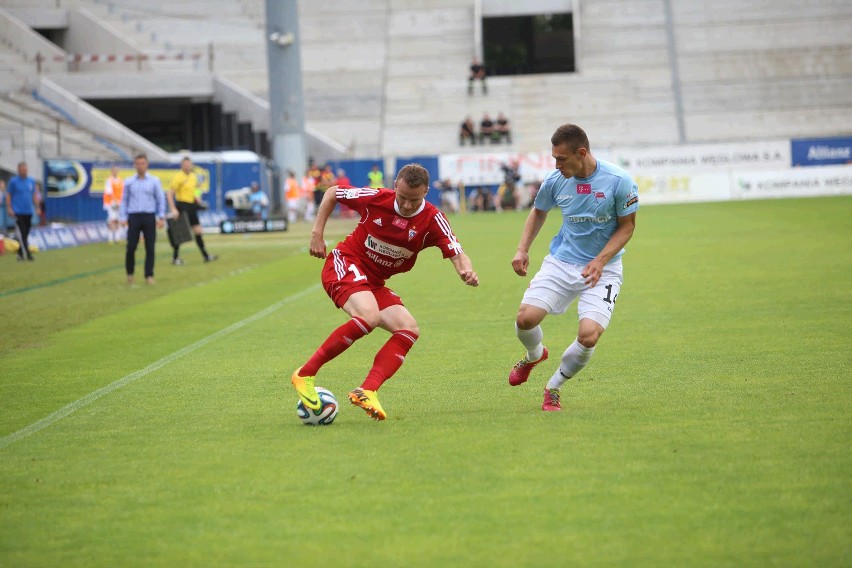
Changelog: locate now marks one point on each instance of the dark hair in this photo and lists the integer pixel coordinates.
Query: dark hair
(186, 159)
(414, 175)
(140, 155)
(572, 135)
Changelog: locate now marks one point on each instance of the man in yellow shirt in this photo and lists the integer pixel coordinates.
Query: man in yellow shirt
(376, 177)
(185, 198)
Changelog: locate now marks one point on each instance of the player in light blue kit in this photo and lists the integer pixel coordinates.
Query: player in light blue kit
(598, 202)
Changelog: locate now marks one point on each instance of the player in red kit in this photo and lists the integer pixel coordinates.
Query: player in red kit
(395, 226)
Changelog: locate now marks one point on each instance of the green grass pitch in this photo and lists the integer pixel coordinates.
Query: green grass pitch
(711, 428)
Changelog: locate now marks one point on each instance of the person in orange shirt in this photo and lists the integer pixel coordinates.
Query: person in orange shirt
(113, 190)
(307, 187)
(293, 195)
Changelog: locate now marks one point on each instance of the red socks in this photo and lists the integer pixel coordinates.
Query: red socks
(389, 358)
(387, 362)
(338, 342)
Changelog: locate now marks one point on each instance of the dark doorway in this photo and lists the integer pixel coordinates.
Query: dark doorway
(522, 45)
(183, 124)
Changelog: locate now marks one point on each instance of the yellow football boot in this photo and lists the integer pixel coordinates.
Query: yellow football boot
(368, 400)
(305, 387)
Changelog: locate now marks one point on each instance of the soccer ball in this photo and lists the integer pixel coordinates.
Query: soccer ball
(322, 417)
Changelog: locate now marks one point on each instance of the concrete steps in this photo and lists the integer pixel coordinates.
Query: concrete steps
(48, 131)
(391, 76)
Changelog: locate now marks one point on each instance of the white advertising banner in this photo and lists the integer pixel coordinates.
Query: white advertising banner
(772, 154)
(675, 174)
(485, 169)
(682, 188)
(744, 184)
(792, 182)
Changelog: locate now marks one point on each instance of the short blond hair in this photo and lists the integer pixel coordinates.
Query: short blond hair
(414, 175)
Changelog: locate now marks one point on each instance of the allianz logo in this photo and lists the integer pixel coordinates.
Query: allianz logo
(829, 153)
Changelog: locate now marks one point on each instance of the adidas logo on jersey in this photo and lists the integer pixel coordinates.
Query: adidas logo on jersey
(378, 222)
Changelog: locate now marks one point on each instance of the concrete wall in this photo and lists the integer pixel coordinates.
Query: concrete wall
(41, 18)
(748, 70)
(255, 110)
(764, 68)
(20, 37)
(87, 34)
(389, 76)
(31, 4)
(93, 120)
(133, 85)
(344, 55)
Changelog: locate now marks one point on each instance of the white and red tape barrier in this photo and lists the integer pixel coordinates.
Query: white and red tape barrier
(95, 58)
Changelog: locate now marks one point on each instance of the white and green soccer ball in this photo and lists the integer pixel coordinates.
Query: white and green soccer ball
(326, 413)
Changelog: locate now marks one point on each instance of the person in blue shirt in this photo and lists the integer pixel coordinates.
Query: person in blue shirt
(598, 202)
(259, 201)
(142, 211)
(22, 204)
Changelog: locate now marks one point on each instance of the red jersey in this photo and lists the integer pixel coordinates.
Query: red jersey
(388, 242)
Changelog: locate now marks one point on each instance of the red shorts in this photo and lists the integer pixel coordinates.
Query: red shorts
(342, 276)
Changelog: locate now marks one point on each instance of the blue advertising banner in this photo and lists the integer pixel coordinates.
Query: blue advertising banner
(428, 162)
(47, 238)
(357, 170)
(75, 189)
(821, 151)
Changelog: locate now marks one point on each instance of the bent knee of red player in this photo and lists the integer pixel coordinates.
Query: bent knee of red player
(412, 330)
(371, 318)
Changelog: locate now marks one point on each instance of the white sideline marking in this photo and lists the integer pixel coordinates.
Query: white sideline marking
(126, 380)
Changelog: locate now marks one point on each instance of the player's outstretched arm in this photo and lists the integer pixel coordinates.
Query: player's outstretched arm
(464, 268)
(329, 200)
(532, 226)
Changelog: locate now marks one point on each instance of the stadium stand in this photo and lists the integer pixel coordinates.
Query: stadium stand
(387, 78)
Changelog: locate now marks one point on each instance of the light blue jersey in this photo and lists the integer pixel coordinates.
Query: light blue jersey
(590, 210)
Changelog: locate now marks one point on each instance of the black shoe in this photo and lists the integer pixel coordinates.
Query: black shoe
(211, 257)
(20, 259)
(30, 258)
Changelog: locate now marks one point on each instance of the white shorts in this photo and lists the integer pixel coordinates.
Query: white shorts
(557, 283)
(112, 214)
